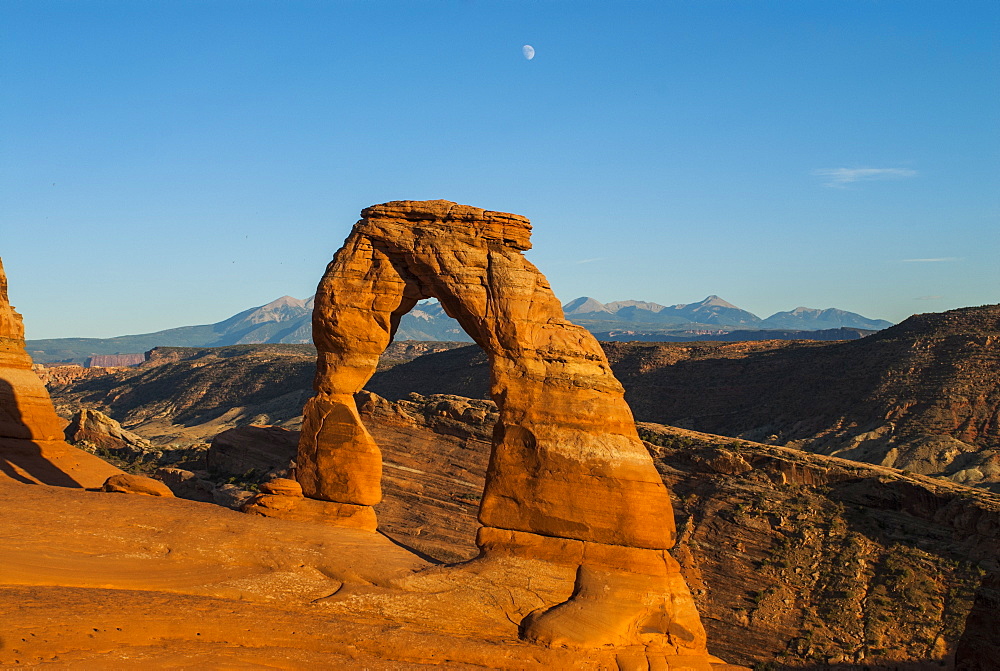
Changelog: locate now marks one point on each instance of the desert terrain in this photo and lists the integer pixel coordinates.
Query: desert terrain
(816, 498)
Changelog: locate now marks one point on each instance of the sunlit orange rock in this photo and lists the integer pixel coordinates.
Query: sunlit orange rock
(569, 480)
(282, 498)
(32, 449)
(93, 426)
(126, 483)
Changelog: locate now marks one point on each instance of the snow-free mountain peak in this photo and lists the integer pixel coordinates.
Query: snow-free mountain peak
(815, 319)
(708, 302)
(584, 305)
(715, 301)
(282, 309)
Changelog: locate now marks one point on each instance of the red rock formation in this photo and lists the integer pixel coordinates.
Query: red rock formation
(94, 427)
(126, 483)
(569, 480)
(32, 448)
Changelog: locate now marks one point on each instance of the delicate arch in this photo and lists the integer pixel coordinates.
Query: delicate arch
(569, 481)
(566, 459)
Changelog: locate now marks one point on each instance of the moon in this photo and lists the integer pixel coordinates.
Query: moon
(528, 51)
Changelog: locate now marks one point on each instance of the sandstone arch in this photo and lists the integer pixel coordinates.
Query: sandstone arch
(569, 480)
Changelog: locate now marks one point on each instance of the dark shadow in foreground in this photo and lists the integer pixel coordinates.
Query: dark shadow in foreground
(21, 458)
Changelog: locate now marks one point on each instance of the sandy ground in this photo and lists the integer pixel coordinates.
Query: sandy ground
(122, 581)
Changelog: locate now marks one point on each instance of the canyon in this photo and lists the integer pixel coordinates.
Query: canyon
(922, 396)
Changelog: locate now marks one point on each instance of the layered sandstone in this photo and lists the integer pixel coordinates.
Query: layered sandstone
(569, 481)
(115, 360)
(32, 448)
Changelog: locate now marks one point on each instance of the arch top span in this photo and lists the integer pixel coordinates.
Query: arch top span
(511, 230)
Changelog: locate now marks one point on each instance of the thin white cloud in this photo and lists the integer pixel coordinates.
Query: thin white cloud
(590, 260)
(928, 298)
(841, 177)
(940, 259)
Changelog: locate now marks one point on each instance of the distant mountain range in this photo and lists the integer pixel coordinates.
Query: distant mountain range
(711, 312)
(289, 320)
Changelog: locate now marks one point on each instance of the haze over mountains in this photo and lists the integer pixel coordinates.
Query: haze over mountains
(288, 320)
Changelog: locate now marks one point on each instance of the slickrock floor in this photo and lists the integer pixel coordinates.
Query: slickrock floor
(92, 579)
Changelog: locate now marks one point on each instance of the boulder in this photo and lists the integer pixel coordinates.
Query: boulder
(262, 449)
(127, 483)
(282, 497)
(300, 509)
(282, 487)
(94, 427)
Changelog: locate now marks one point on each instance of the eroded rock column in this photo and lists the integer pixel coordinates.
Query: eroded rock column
(569, 480)
(32, 445)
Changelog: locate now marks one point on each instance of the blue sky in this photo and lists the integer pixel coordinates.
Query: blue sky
(172, 163)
